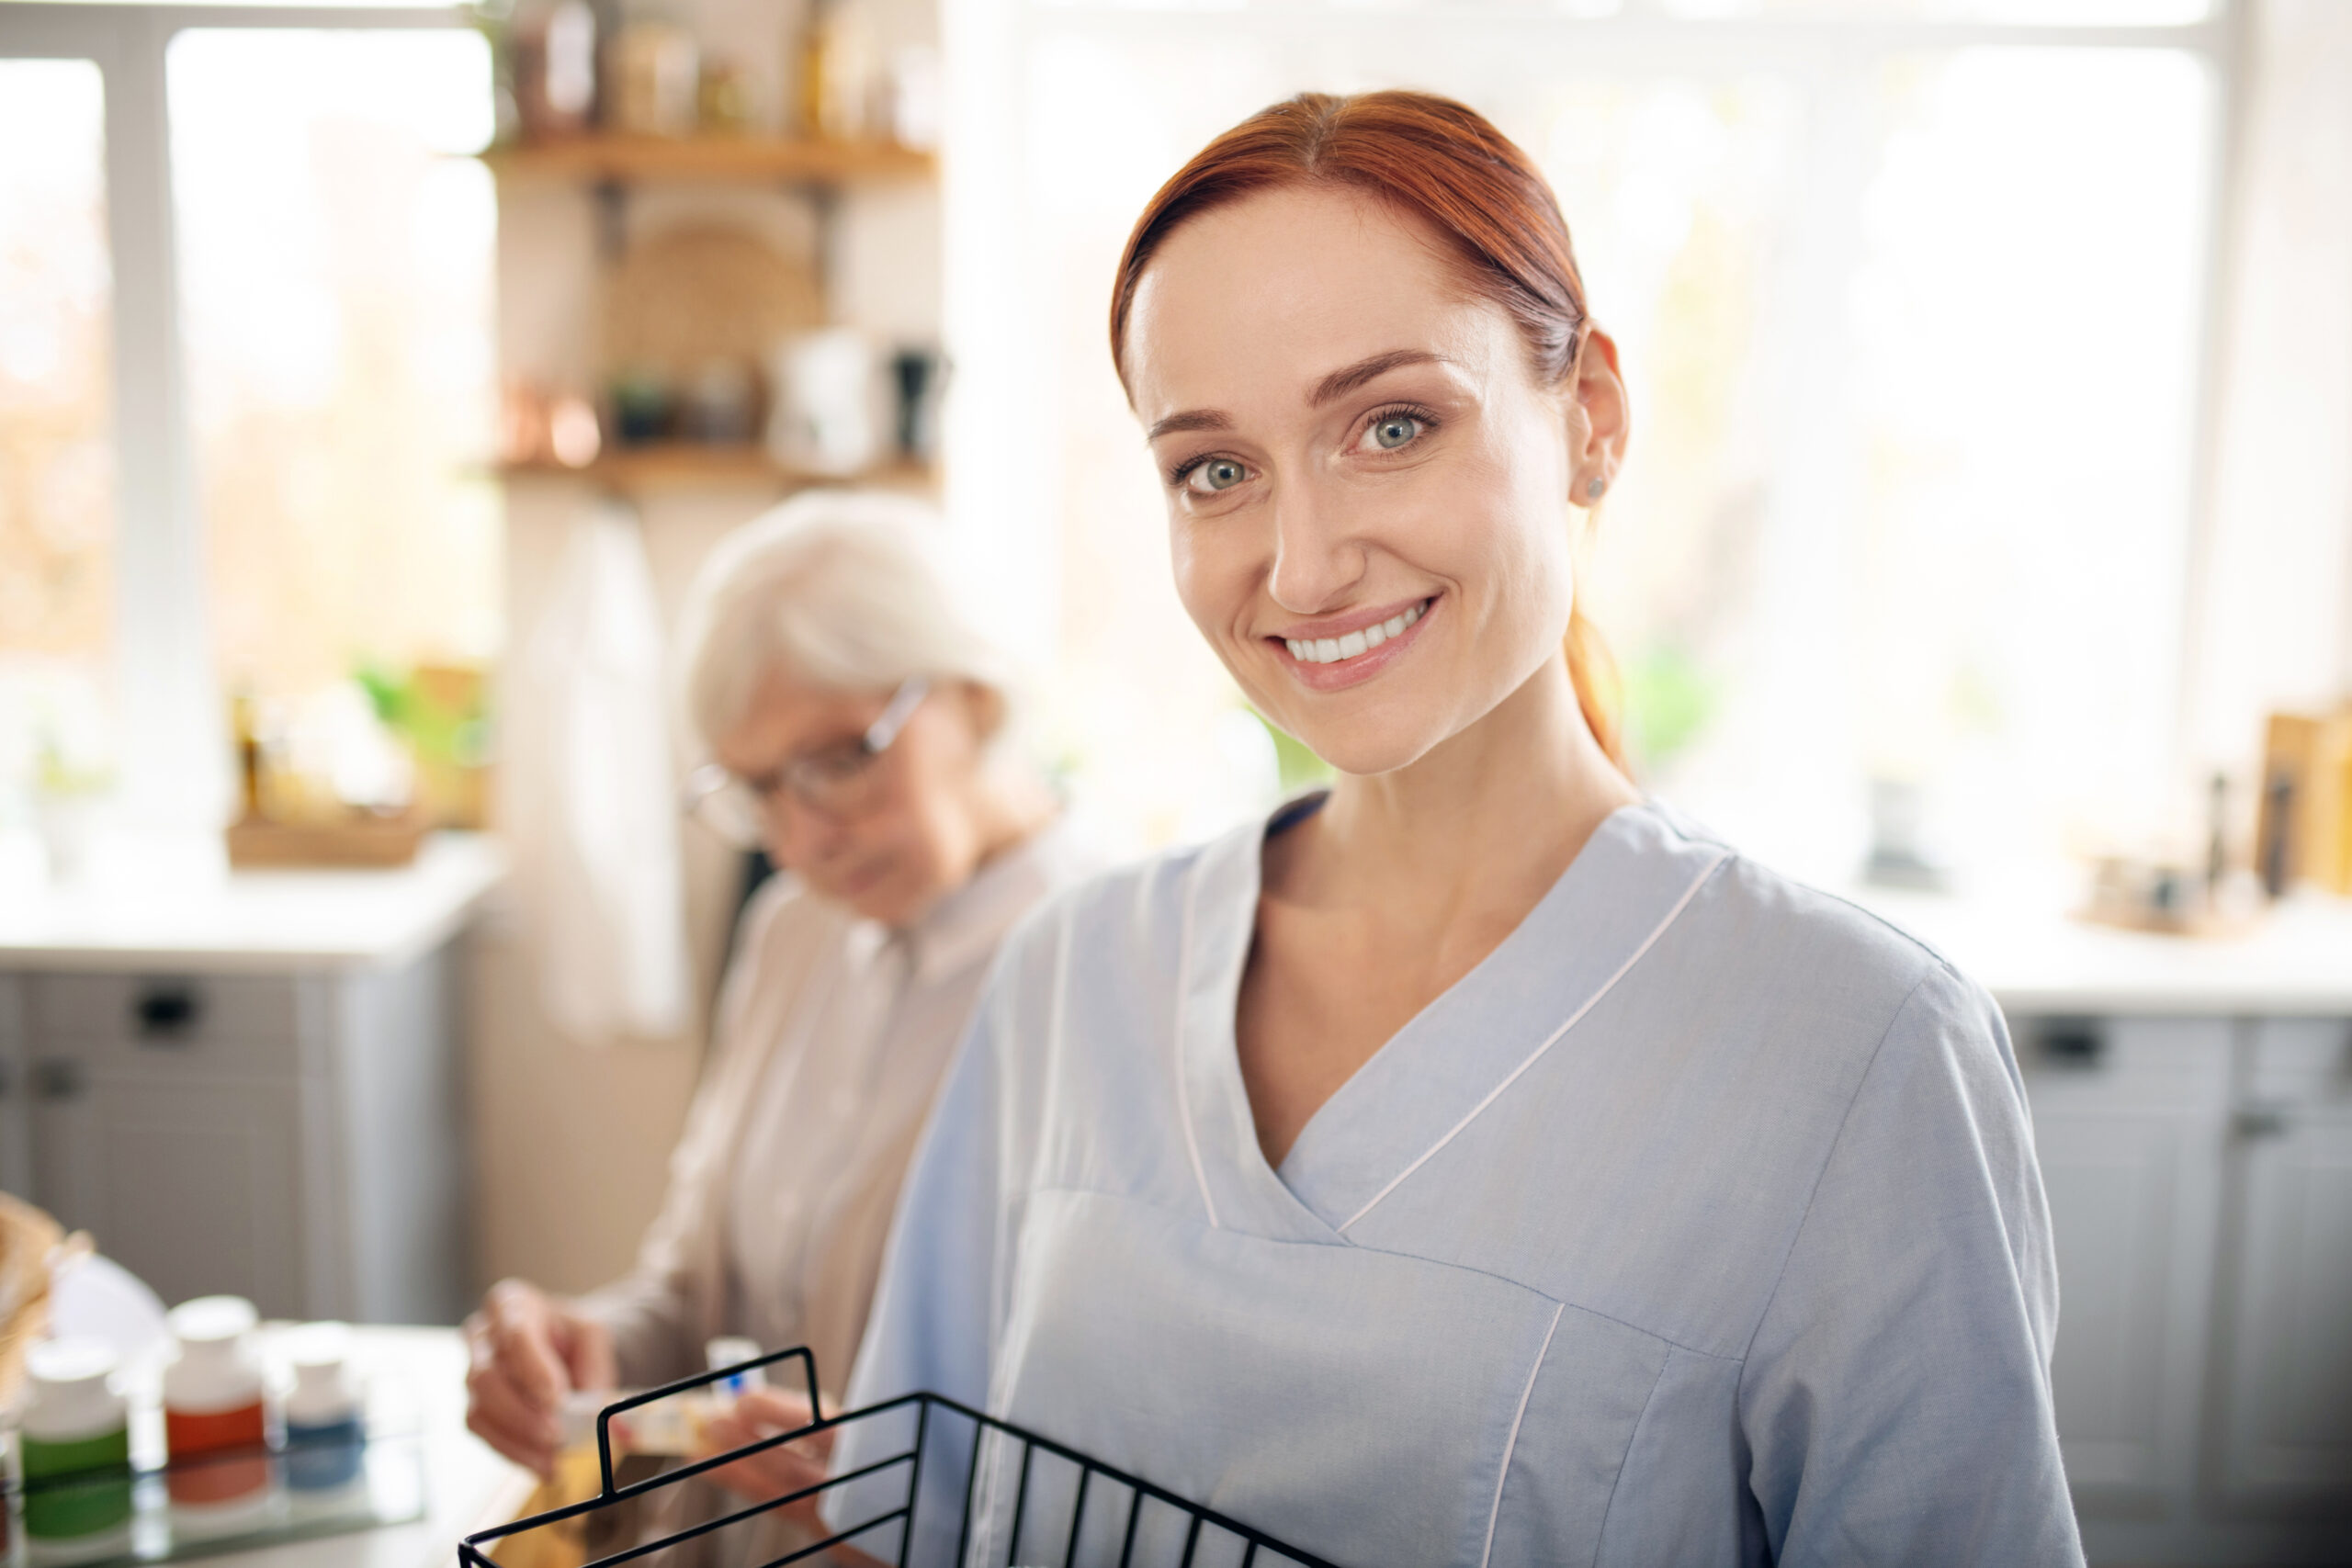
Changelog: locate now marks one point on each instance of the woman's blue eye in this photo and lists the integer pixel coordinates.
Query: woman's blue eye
(1219, 473)
(1394, 430)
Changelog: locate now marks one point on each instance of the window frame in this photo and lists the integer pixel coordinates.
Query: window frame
(169, 722)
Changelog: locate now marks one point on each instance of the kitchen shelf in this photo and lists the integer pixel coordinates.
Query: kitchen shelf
(740, 160)
(671, 466)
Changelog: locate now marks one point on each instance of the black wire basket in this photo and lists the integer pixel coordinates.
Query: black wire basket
(1034, 1502)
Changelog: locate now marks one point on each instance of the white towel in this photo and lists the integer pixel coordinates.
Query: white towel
(592, 795)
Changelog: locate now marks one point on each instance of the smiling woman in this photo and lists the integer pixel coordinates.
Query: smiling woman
(1478, 1163)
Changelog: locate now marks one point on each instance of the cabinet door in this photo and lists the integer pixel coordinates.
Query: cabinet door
(195, 1187)
(16, 1093)
(2287, 1431)
(2129, 1120)
(167, 1121)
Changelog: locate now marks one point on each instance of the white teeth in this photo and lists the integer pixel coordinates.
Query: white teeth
(1330, 650)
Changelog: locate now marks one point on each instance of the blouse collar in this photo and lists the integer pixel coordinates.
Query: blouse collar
(964, 927)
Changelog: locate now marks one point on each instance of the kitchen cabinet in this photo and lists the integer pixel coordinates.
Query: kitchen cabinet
(259, 1096)
(16, 1098)
(2200, 1178)
(210, 1157)
(2287, 1417)
(2130, 1116)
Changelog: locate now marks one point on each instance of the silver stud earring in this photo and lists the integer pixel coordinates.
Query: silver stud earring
(1593, 487)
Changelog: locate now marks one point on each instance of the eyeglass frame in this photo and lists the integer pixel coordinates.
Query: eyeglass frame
(708, 788)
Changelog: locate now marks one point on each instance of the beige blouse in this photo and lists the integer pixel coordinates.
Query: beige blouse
(831, 1035)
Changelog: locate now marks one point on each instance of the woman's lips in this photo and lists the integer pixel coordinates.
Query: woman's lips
(1351, 668)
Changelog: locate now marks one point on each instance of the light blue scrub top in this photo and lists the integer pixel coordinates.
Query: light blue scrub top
(1700, 1223)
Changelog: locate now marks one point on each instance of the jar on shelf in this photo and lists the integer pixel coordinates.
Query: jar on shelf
(655, 74)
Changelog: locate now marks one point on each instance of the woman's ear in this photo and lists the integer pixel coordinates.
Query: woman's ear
(1598, 418)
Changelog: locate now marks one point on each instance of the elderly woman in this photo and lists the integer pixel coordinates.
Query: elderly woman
(858, 731)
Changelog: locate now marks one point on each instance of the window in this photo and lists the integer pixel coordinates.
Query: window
(337, 314)
(247, 378)
(56, 427)
(1912, 305)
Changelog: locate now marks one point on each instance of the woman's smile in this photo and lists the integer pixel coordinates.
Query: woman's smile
(1335, 652)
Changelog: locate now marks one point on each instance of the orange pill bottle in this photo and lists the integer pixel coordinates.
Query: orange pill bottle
(216, 1426)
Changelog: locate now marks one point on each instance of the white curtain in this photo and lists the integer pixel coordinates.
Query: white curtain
(2271, 608)
(591, 798)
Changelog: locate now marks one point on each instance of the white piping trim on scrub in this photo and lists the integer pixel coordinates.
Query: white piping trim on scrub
(1056, 1030)
(1551, 1040)
(1511, 1442)
(1183, 1095)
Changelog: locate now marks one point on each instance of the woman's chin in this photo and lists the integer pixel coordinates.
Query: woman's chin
(870, 891)
(1364, 750)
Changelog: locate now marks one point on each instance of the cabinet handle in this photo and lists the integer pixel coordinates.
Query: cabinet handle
(2253, 1122)
(55, 1077)
(166, 1014)
(2077, 1043)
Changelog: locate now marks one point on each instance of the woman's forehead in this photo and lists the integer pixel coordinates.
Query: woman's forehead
(788, 716)
(1261, 301)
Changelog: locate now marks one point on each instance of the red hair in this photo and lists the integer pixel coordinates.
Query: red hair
(1445, 164)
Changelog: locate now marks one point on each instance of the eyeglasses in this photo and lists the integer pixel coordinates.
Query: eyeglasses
(839, 780)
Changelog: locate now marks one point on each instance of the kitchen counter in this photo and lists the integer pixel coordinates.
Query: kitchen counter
(2035, 959)
(273, 921)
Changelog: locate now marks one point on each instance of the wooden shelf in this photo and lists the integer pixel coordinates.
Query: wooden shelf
(741, 159)
(681, 466)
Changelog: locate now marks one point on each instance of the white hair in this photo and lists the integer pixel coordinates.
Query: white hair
(840, 588)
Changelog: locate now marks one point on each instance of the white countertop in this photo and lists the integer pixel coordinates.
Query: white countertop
(467, 1486)
(2035, 958)
(223, 920)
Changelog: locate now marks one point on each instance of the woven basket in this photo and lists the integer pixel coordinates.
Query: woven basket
(27, 1237)
(705, 292)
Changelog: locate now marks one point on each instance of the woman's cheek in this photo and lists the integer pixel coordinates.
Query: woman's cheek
(1203, 581)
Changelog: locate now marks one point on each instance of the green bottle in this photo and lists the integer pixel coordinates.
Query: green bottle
(77, 1446)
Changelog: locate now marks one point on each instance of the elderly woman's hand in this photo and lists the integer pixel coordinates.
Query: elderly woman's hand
(788, 1467)
(782, 1469)
(526, 1351)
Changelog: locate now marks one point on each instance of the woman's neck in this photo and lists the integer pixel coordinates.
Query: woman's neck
(1493, 814)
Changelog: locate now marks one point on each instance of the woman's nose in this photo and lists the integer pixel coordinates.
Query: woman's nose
(1318, 558)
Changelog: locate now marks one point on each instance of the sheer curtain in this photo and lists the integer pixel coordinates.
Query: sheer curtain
(2272, 611)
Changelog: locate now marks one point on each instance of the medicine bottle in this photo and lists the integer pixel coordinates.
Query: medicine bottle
(323, 1430)
(215, 1423)
(76, 1448)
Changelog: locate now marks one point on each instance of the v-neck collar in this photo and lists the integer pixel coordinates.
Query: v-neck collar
(1631, 879)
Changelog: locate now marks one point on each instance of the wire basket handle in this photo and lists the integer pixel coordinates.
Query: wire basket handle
(622, 1406)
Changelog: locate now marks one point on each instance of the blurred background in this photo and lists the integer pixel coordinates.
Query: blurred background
(374, 378)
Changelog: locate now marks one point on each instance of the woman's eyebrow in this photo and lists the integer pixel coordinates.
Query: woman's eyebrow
(1337, 384)
(1340, 383)
(1192, 419)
